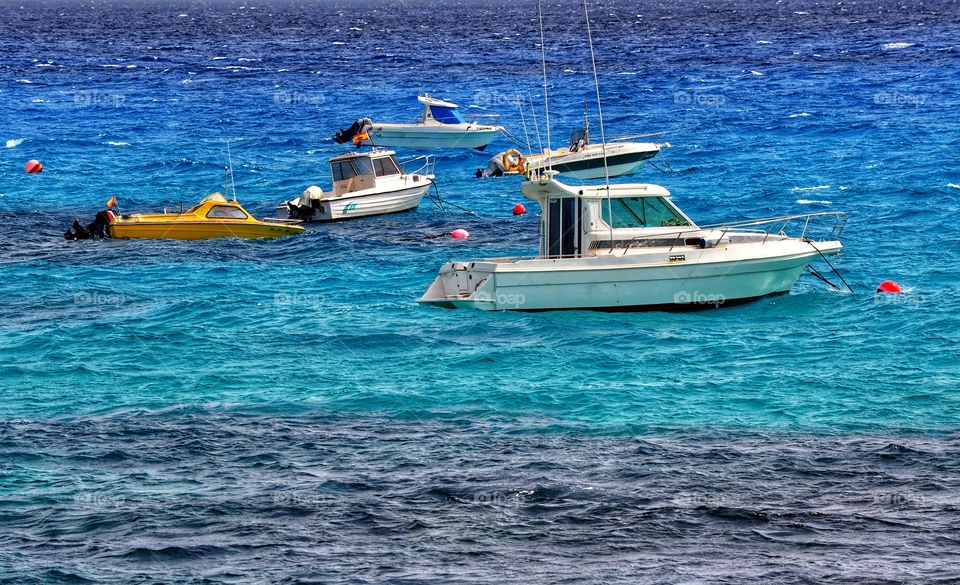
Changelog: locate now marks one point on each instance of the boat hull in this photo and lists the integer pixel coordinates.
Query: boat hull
(622, 160)
(200, 230)
(431, 136)
(360, 204)
(609, 283)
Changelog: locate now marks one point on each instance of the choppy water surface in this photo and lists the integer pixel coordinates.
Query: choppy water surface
(249, 411)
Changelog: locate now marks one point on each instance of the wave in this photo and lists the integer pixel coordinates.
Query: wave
(800, 115)
(115, 143)
(813, 202)
(23, 81)
(755, 72)
(764, 43)
(953, 185)
(15, 142)
(817, 188)
(894, 46)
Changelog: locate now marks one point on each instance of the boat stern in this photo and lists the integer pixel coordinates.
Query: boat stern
(463, 284)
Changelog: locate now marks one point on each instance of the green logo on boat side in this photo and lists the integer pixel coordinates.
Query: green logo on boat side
(350, 207)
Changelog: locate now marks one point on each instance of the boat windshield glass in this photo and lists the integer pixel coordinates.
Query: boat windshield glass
(363, 166)
(342, 170)
(226, 212)
(386, 166)
(640, 212)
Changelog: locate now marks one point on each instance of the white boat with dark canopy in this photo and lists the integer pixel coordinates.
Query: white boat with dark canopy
(440, 126)
(364, 184)
(629, 247)
(580, 159)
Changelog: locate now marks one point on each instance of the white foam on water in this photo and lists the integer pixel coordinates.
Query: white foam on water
(339, 43)
(817, 188)
(951, 185)
(23, 81)
(894, 46)
(218, 59)
(38, 101)
(114, 143)
(13, 143)
(247, 59)
(813, 202)
(764, 43)
(627, 73)
(44, 65)
(800, 115)
(755, 72)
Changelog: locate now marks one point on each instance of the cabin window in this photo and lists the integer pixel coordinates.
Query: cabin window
(342, 170)
(363, 166)
(226, 212)
(386, 166)
(640, 212)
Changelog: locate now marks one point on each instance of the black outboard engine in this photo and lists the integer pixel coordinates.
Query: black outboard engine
(95, 230)
(347, 134)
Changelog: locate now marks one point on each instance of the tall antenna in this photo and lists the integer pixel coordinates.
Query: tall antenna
(543, 62)
(533, 113)
(524, 122)
(233, 181)
(603, 137)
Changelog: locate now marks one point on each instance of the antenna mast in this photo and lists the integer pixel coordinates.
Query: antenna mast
(603, 137)
(543, 62)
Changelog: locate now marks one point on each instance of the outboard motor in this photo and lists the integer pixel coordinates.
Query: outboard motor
(347, 134)
(95, 230)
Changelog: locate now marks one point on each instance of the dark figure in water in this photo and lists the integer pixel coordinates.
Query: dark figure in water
(95, 230)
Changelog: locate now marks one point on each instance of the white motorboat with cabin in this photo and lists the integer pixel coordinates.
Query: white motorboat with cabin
(629, 247)
(580, 159)
(364, 184)
(440, 126)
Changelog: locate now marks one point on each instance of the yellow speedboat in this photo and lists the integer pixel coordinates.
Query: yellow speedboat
(213, 217)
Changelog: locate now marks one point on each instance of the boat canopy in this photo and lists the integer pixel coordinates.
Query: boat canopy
(441, 111)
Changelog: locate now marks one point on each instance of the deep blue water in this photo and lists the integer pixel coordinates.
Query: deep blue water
(283, 411)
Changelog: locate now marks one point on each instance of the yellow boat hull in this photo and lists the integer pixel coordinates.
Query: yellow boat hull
(181, 230)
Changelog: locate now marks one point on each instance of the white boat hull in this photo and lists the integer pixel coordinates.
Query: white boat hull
(431, 135)
(365, 204)
(623, 159)
(709, 277)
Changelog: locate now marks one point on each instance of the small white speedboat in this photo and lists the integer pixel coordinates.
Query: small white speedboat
(628, 247)
(364, 184)
(580, 159)
(440, 126)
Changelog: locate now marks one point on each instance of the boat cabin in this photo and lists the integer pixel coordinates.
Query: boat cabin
(360, 170)
(439, 112)
(578, 221)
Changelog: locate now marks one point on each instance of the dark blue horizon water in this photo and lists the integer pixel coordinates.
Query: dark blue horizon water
(283, 411)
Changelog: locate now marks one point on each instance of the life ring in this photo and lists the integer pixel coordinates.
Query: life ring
(517, 165)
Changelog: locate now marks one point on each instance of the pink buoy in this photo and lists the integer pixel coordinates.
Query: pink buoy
(888, 286)
(34, 166)
(519, 209)
(460, 234)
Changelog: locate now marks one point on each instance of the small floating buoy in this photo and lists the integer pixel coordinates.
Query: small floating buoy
(519, 209)
(888, 286)
(34, 166)
(460, 234)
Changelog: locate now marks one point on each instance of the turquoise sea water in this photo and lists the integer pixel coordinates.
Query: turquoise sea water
(213, 408)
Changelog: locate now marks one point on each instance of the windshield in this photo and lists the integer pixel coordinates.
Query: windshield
(640, 212)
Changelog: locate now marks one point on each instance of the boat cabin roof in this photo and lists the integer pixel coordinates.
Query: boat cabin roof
(366, 154)
(539, 190)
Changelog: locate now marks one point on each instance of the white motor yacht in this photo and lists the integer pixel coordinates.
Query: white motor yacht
(364, 184)
(440, 126)
(629, 247)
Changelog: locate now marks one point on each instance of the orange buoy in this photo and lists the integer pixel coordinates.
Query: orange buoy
(34, 166)
(460, 234)
(519, 209)
(888, 286)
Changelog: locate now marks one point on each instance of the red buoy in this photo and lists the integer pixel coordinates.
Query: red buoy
(460, 234)
(34, 166)
(519, 209)
(888, 286)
